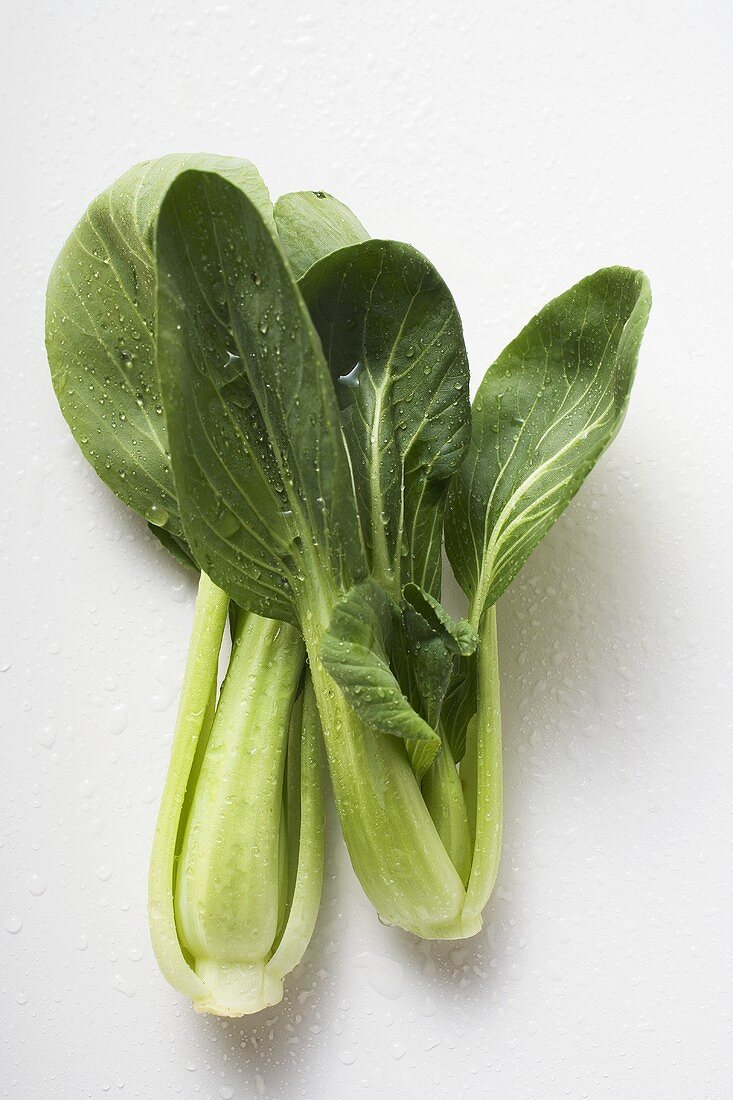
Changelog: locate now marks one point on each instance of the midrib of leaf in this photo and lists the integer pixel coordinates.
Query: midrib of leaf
(383, 569)
(485, 575)
(500, 531)
(386, 572)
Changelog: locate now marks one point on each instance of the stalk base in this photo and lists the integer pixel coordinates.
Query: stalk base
(235, 990)
(462, 928)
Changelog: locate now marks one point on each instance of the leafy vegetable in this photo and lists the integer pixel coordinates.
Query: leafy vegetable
(101, 323)
(392, 337)
(543, 415)
(230, 868)
(545, 412)
(258, 456)
(269, 507)
(285, 400)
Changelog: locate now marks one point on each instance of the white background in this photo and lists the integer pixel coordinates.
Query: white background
(520, 146)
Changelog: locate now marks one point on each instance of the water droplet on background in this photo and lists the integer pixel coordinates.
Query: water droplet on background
(36, 886)
(383, 974)
(117, 719)
(123, 985)
(46, 737)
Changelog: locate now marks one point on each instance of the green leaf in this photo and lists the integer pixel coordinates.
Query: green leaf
(393, 340)
(458, 635)
(424, 666)
(311, 224)
(355, 652)
(258, 455)
(100, 332)
(460, 705)
(544, 413)
(431, 642)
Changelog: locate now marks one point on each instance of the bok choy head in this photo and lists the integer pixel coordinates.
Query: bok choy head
(101, 338)
(543, 415)
(270, 496)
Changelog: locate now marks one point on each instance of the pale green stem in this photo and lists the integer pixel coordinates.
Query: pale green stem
(197, 694)
(468, 779)
(393, 844)
(443, 794)
(483, 763)
(291, 807)
(306, 897)
(227, 899)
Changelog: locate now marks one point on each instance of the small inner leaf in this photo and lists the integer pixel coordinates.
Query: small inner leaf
(311, 224)
(460, 705)
(457, 634)
(355, 653)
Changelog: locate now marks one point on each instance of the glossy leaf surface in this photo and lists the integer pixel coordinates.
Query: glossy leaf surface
(393, 340)
(544, 413)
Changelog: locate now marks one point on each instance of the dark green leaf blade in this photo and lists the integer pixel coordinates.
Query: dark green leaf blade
(457, 634)
(460, 704)
(355, 653)
(259, 459)
(426, 656)
(544, 413)
(393, 340)
(100, 331)
(425, 662)
(424, 665)
(312, 224)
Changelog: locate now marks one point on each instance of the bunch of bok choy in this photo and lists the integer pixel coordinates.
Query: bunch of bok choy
(286, 402)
